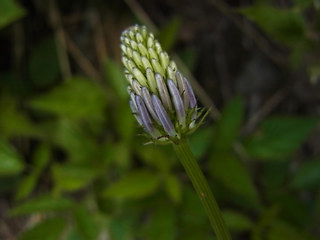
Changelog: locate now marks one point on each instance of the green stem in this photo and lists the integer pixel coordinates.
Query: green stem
(202, 188)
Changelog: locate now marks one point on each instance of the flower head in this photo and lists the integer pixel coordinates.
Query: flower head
(162, 99)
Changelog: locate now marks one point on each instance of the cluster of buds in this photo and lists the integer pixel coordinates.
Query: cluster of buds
(162, 99)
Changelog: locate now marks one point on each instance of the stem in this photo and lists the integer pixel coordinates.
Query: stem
(202, 188)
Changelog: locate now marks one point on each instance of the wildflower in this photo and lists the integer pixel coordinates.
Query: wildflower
(161, 98)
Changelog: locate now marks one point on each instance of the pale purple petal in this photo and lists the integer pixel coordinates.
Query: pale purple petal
(192, 98)
(177, 102)
(163, 91)
(147, 99)
(145, 117)
(135, 112)
(163, 116)
(133, 98)
(182, 86)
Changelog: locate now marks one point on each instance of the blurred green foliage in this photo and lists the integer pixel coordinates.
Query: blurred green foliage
(10, 11)
(71, 155)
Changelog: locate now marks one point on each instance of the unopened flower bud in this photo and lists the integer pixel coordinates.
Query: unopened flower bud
(162, 99)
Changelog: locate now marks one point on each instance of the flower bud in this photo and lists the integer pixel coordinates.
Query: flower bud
(162, 99)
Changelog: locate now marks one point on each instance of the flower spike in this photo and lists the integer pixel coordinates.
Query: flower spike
(162, 99)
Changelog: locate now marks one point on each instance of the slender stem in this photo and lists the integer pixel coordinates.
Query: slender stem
(202, 188)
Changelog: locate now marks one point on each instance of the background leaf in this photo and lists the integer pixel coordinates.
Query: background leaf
(168, 34)
(71, 136)
(49, 229)
(10, 162)
(42, 204)
(225, 167)
(134, 185)
(85, 223)
(10, 11)
(77, 97)
(200, 141)
(70, 177)
(173, 188)
(237, 221)
(28, 183)
(280, 230)
(44, 65)
(162, 224)
(284, 25)
(308, 175)
(114, 74)
(14, 121)
(280, 136)
(121, 227)
(227, 128)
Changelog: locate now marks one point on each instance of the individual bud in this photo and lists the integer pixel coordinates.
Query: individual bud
(177, 102)
(182, 86)
(126, 40)
(133, 45)
(147, 99)
(137, 58)
(129, 52)
(139, 76)
(192, 98)
(146, 63)
(136, 87)
(150, 42)
(153, 54)
(151, 80)
(163, 91)
(145, 118)
(143, 50)
(139, 38)
(164, 59)
(144, 32)
(157, 67)
(157, 46)
(171, 74)
(163, 116)
(131, 65)
(123, 48)
(129, 77)
(124, 61)
(135, 112)
(173, 66)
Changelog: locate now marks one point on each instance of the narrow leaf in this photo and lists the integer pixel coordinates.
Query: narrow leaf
(236, 221)
(278, 137)
(114, 75)
(10, 162)
(9, 12)
(77, 97)
(173, 188)
(49, 229)
(42, 204)
(229, 124)
(234, 175)
(85, 223)
(135, 185)
(285, 25)
(308, 175)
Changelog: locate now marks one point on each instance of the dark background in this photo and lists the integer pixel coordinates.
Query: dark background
(73, 164)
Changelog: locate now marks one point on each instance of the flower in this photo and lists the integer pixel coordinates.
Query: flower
(162, 99)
